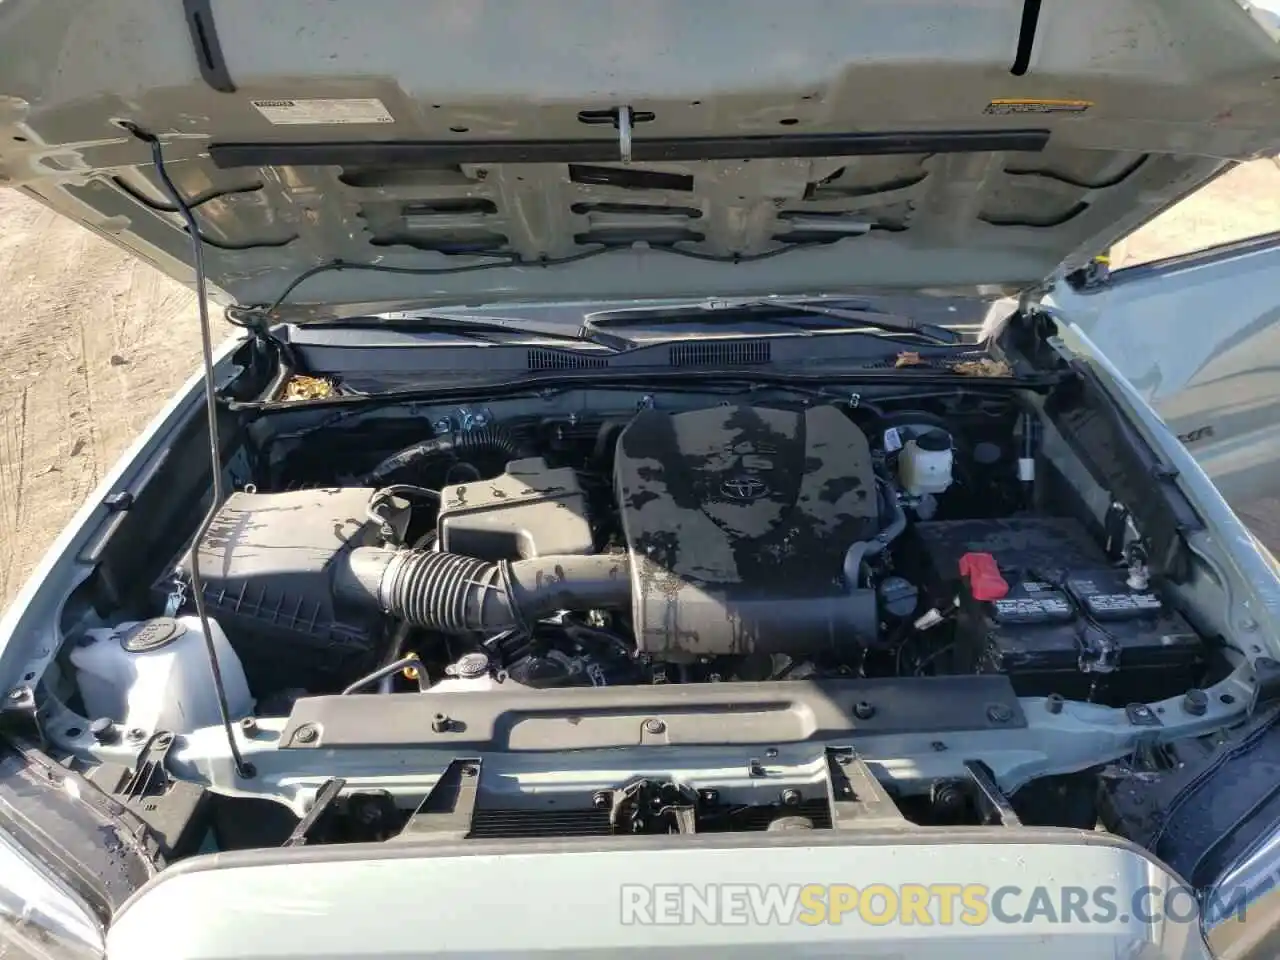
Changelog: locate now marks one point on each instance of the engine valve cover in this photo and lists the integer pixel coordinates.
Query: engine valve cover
(737, 519)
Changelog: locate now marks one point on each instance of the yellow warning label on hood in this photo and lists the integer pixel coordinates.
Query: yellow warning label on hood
(1024, 105)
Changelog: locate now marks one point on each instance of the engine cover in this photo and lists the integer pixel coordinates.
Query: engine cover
(737, 520)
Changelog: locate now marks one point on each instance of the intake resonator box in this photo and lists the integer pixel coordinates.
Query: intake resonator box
(530, 510)
(737, 520)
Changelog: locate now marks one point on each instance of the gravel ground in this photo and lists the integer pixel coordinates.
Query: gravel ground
(92, 343)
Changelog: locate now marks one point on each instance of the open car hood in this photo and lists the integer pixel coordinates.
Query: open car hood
(773, 148)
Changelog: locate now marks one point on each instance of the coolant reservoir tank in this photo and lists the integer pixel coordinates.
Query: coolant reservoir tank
(154, 675)
(924, 465)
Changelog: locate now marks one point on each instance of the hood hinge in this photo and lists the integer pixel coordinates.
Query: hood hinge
(1094, 274)
(1029, 300)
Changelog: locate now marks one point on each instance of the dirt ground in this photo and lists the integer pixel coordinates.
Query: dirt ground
(91, 345)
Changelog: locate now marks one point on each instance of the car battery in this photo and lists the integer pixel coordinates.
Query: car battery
(1037, 600)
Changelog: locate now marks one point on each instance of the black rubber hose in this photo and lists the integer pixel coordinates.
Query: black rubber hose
(897, 518)
(860, 550)
(461, 595)
(494, 440)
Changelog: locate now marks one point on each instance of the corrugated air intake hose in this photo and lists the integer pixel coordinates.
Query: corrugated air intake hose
(462, 595)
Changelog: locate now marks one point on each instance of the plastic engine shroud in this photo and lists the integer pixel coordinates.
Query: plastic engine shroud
(737, 519)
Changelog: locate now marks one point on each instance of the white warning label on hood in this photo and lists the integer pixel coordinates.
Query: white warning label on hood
(368, 110)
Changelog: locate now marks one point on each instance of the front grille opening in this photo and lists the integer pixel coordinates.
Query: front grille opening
(523, 824)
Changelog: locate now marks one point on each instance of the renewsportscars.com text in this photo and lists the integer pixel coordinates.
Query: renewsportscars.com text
(918, 904)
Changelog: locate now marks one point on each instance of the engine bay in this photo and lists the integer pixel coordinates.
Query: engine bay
(909, 590)
(727, 543)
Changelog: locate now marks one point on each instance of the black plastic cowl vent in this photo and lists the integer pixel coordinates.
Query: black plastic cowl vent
(714, 353)
(561, 360)
(719, 353)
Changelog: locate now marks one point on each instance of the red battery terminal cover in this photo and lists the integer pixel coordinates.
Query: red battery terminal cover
(983, 574)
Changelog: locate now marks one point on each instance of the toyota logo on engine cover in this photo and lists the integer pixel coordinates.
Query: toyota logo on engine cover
(744, 488)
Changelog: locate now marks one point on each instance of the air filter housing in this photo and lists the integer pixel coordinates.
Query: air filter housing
(267, 563)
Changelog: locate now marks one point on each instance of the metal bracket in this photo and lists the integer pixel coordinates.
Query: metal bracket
(623, 119)
(447, 812)
(644, 804)
(319, 814)
(119, 502)
(1141, 715)
(993, 806)
(855, 795)
(18, 713)
(470, 418)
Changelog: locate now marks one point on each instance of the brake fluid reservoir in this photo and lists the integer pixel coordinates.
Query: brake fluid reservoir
(924, 465)
(154, 675)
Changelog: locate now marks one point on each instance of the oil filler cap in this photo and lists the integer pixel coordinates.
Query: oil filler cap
(153, 635)
(983, 574)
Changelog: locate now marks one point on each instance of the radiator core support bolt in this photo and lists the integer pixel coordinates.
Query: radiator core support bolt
(1196, 703)
(104, 731)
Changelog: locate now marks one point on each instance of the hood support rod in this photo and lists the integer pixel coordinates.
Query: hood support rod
(243, 768)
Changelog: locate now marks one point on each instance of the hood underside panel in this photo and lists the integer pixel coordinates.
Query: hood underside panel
(808, 147)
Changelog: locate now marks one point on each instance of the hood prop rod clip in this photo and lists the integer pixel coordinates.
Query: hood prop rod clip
(624, 134)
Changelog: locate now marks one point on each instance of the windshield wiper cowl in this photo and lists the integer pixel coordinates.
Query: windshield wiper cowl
(867, 318)
(728, 312)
